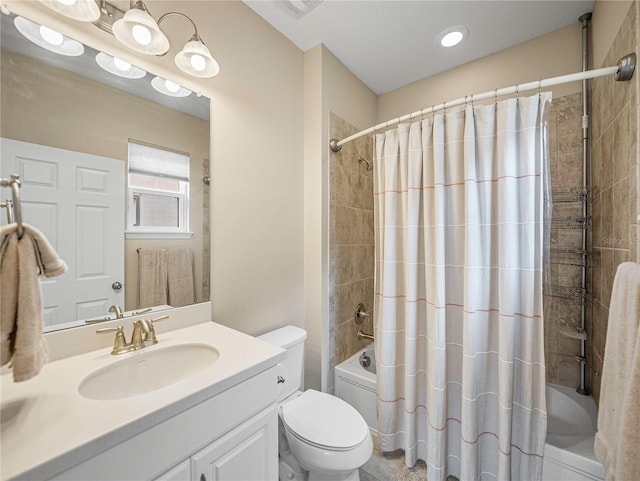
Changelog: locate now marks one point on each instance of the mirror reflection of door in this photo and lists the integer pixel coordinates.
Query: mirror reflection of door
(77, 201)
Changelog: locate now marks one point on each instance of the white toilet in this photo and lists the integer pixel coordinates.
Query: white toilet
(321, 438)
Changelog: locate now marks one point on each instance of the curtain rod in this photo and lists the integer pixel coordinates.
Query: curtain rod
(623, 71)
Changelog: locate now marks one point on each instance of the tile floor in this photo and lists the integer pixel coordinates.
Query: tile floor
(391, 467)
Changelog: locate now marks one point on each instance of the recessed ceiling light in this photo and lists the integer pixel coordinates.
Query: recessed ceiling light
(299, 8)
(119, 67)
(452, 36)
(170, 88)
(48, 39)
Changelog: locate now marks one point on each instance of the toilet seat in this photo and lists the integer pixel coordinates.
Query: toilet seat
(324, 421)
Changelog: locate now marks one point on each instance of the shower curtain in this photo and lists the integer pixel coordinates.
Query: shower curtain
(459, 203)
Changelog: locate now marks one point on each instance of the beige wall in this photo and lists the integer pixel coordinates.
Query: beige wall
(607, 18)
(49, 106)
(557, 53)
(256, 153)
(329, 86)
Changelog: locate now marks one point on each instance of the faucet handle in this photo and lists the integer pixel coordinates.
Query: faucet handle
(120, 343)
(151, 335)
(161, 318)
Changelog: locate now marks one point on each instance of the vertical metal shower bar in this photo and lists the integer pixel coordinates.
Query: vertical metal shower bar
(585, 199)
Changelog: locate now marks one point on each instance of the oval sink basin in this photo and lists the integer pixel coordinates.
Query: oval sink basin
(149, 371)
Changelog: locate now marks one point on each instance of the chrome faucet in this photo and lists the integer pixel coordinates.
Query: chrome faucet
(140, 327)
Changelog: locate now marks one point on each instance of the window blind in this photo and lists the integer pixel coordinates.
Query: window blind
(147, 160)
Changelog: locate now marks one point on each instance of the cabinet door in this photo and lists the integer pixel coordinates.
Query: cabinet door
(181, 472)
(248, 453)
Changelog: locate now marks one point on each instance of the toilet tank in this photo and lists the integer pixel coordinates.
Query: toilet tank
(290, 370)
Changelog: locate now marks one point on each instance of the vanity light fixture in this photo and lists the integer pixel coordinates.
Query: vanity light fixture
(118, 67)
(167, 87)
(137, 29)
(47, 38)
(83, 10)
(452, 36)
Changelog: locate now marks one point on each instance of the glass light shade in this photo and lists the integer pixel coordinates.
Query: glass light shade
(51, 36)
(141, 22)
(195, 59)
(83, 10)
(117, 67)
(33, 32)
(160, 84)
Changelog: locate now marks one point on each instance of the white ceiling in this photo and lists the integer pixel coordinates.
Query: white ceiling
(390, 43)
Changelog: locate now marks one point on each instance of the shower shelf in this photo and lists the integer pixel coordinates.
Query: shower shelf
(574, 257)
(574, 294)
(570, 222)
(574, 194)
(575, 333)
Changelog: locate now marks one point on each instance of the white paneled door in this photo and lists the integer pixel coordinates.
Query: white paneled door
(77, 201)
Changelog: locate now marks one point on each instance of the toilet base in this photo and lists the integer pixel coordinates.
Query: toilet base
(289, 469)
(349, 476)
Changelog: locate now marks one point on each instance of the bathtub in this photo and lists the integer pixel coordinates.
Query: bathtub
(571, 422)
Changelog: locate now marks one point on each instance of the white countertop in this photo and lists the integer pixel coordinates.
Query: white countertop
(47, 426)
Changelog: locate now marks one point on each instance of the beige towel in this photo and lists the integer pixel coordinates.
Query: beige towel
(618, 436)
(152, 277)
(21, 262)
(180, 276)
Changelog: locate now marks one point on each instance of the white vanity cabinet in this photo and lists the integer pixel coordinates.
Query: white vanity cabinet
(181, 472)
(231, 436)
(244, 454)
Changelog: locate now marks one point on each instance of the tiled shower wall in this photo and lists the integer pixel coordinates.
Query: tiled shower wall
(616, 170)
(350, 242)
(562, 311)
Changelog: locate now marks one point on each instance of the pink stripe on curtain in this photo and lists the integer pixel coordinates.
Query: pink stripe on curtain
(458, 306)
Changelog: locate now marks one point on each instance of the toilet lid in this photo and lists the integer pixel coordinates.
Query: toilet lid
(324, 420)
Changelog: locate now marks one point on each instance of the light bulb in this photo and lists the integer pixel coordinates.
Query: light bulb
(198, 62)
(51, 36)
(67, 2)
(141, 34)
(451, 39)
(121, 64)
(171, 86)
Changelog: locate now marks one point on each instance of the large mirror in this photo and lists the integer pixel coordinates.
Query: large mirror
(114, 173)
